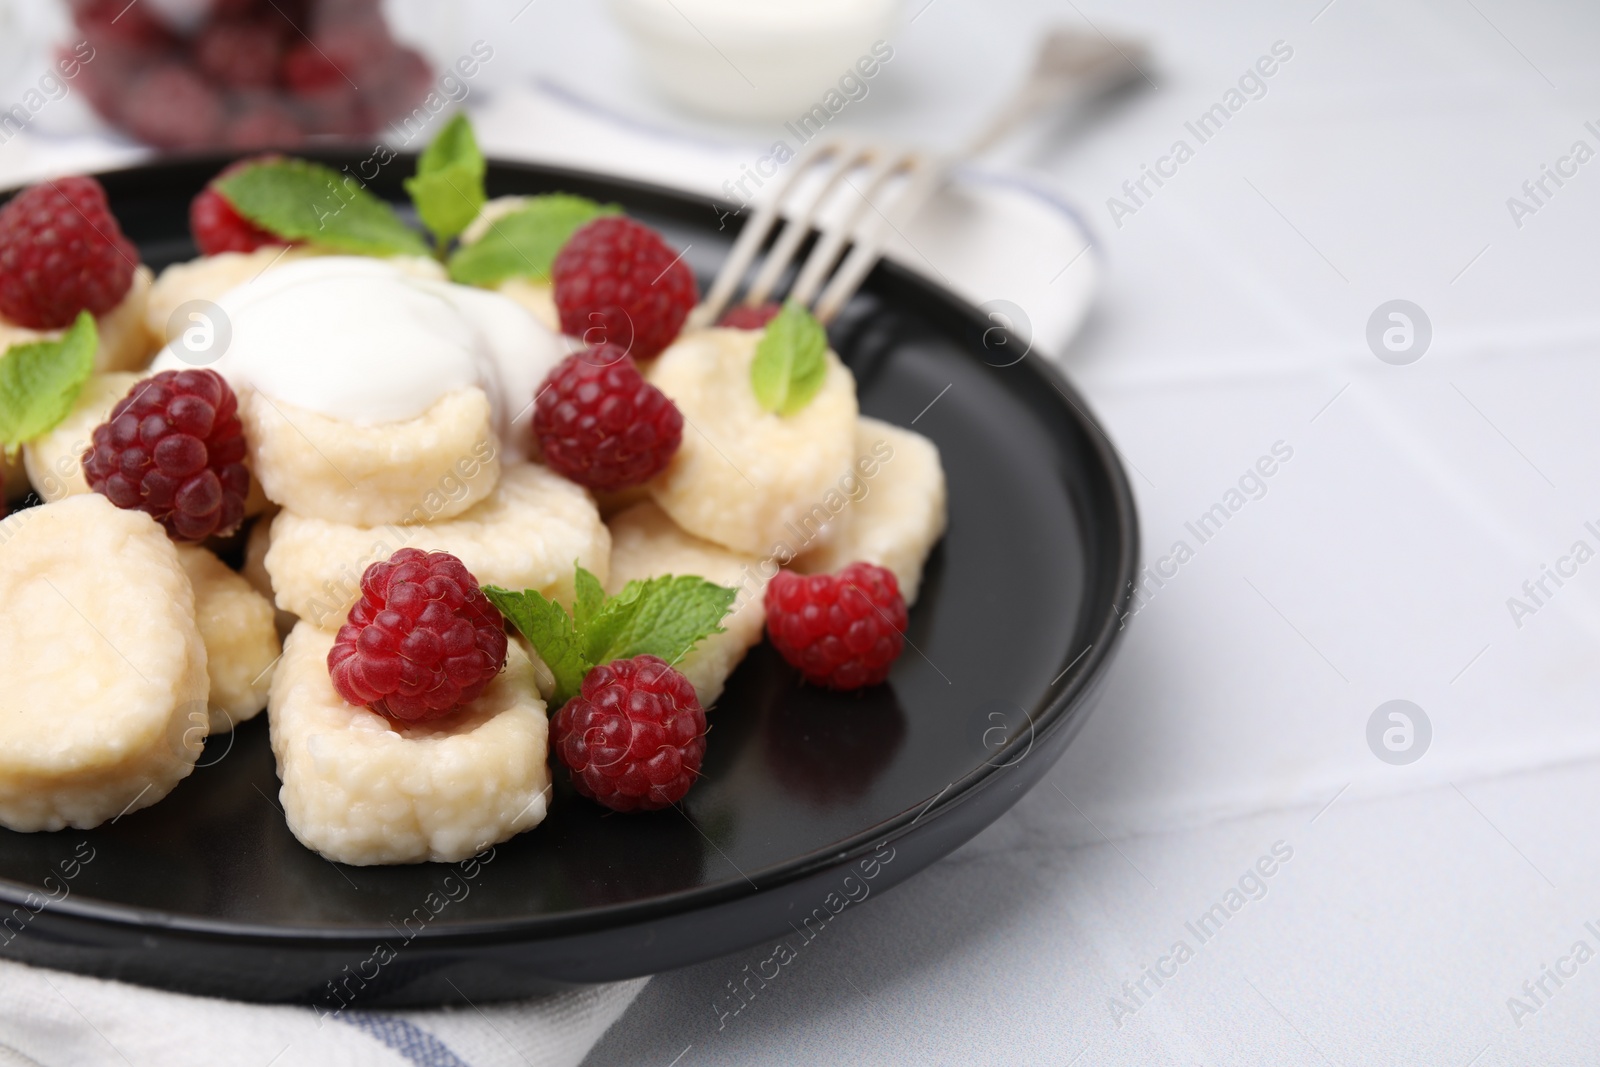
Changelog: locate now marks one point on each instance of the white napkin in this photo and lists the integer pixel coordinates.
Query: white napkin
(989, 238)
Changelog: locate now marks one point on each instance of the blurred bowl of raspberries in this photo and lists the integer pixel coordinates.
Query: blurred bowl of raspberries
(246, 74)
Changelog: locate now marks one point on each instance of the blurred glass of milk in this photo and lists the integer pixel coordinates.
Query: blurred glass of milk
(751, 59)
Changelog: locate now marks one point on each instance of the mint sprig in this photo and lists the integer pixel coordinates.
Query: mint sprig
(525, 242)
(448, 188)
(40, 381)
(791, 361)
(665, 616)
(299, 200)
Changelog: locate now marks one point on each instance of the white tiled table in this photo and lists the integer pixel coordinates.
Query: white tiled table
(1376, 566)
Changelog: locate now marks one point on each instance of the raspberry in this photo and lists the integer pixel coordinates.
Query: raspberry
(173, 448)
(264, 123)
(173, 107)
(617, 282)
(217, 227)
(240, 54)
(422, 641)
(61, 252)
(635, 736)
(842, 631)
(745, 317)
(599, 423)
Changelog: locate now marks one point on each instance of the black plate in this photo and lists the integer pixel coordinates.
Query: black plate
(809, 801)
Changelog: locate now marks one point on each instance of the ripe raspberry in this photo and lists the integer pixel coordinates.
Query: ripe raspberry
(173, 448)
(635, 736)
(218, 228)
(844, 630)
(601, 424)
(241, 54)
(173, 107)
(617, 282)
(61, 252)
(745, 317)
(422, 641)
(263, 123)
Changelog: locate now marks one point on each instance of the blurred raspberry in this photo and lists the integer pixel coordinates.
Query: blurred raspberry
(264, 123)
(745, 317)
(61, 252)
(217, 227)
(617, 282)
(240, 54)
(172, 107)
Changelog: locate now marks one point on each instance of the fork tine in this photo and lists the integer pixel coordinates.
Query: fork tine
(826, 252)
(748, 244)
(799, 226)
(925, 175)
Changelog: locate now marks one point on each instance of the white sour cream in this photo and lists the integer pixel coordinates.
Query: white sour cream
(371, 341)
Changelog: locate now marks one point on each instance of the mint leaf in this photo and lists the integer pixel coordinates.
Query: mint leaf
(791, 361)
(547, 626)
(666, 617)
(448, 187)
(589, 599)
(304, 201)
(525, 243)
(40, 381)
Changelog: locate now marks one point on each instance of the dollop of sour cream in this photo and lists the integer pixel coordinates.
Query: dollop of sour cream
(371, 341)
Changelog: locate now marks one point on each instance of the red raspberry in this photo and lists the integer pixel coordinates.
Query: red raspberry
(635, 736)
(745, 317)
(218, 228)
(601, 424)
(173, 107)
(844, 630)
(422, 641)
(263, 123)
(173, 448)
(617, 282)
(61, 252)
(241, 54)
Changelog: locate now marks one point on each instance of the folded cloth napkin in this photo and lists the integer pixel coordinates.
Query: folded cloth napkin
(994, 239)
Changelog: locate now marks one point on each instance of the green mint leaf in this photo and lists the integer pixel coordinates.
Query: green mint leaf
(525, 243)
(791, 361)
(40, 381)
(304, 201)
(448, 188)
(549, 629)
(665, 616)
(591, 595)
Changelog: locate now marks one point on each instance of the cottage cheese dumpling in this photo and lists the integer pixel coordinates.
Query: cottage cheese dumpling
(361, 789)
(901, 515)
(431, 467)
(647, 544)
(236, 623)
(103, 709)
(526, 535)
(55, 461)
(744, 476)
(125, 341)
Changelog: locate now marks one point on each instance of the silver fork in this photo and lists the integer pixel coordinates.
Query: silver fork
(1068, 64)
